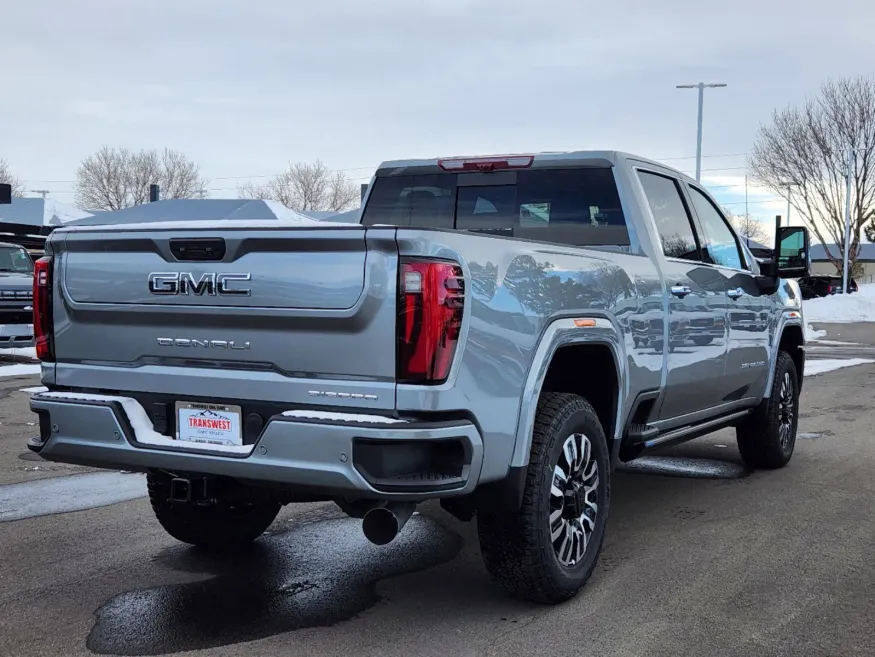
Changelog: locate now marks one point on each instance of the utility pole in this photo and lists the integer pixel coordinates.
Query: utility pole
(44, 192)
(701, 87)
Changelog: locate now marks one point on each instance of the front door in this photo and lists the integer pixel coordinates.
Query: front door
(748, 311)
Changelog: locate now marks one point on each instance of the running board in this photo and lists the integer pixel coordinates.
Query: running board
(696, 430)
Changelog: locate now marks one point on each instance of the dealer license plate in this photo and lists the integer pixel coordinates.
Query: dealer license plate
(213, 424)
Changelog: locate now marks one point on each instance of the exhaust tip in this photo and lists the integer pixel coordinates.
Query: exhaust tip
(380, 526)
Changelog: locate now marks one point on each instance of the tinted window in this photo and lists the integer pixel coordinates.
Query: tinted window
(718, 240)
(566, 206)
(672, 220)
(419, 201)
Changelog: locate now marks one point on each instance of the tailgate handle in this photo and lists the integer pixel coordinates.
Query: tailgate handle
(202, 249)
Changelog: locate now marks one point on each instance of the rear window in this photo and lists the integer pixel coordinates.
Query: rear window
(579, 207)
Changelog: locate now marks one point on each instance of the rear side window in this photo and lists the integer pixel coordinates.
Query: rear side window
(672, 219)
(579, 207)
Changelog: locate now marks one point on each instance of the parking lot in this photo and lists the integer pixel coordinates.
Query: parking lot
(717, 561)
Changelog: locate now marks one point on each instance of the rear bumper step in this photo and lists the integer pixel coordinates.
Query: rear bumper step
(327, 456)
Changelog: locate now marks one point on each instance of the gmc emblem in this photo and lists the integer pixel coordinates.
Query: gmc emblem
(210, 284)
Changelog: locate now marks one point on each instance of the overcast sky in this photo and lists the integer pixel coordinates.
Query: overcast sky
(244, 87)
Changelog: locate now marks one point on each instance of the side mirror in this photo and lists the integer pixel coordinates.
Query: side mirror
(792, 252)
(5, 194)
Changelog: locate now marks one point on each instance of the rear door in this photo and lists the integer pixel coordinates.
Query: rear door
(298, 315)
(696, 308)
(749, 310)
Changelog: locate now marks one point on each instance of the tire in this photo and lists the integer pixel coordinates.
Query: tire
(220, 526)
(701, 341)
(518, 547)
(767, 438)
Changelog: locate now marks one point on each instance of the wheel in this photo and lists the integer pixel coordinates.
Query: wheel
(223, 525)
(701, 341)
(547, 550)
(767, 438)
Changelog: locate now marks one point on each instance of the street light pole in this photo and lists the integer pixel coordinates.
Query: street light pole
(847, 219)
(701, 87)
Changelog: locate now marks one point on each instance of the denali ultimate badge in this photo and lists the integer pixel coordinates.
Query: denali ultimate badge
(209, 283)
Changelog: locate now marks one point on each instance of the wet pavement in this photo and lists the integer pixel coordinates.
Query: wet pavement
(279, 585)
(701, 558)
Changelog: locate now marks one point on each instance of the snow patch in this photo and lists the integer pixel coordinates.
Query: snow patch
(812, 334)
(142, 425)
(26, 352)
(856, 307)
(34, 390)
(19, 370)
(821, 366)
(343, 417)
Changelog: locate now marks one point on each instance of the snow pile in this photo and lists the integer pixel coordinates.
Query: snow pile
(19, 369)
(856, 307)
(819, 366)
(25, 352)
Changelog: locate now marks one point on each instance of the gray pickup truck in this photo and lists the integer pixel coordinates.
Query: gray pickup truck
(497, 333)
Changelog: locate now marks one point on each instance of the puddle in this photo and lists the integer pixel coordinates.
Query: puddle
(45, 497)
(677, 466)
(313, 575)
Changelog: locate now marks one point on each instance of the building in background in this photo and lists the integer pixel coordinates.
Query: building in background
(821, 264)
(27, 221)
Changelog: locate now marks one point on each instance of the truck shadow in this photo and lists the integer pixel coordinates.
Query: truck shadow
(323, 571)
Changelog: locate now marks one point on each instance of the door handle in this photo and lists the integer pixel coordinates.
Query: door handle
(736, 293)
(680, 290)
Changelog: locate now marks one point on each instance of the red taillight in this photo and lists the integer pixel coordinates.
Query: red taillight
(487, 163)
(42, 308)
(431, 301)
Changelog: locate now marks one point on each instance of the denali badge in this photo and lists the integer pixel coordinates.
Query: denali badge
(210, 283)
(210, 344)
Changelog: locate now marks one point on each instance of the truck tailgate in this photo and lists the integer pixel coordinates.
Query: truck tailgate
(310, 309)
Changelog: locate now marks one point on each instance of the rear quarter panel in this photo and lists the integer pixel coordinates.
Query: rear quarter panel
(516, 290)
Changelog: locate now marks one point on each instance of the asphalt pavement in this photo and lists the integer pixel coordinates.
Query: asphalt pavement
(702, 557)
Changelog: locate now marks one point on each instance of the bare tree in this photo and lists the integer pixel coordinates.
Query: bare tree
(306, 186)
(749, 228)
(112, 179)
(807, 146)
(7, 178)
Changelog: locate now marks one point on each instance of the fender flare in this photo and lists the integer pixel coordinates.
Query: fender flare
(562, 333)
(788, 318)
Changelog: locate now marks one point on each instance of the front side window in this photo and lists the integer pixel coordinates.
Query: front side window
(718, 240)
(670, 213)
